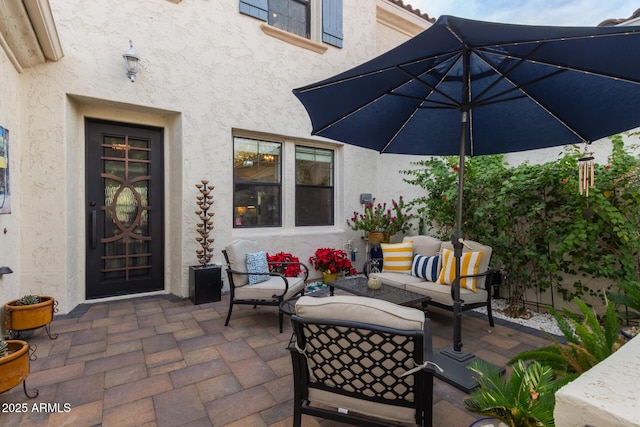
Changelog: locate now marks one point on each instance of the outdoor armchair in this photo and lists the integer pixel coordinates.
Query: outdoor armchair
(258, 286)
(361, 361)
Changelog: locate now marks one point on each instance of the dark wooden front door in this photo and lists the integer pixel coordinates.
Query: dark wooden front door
(124, 209)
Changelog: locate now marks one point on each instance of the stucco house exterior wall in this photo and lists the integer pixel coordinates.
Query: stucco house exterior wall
(207, 73)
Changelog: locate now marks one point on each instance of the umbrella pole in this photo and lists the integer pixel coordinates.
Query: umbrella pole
(457, 241)
(455, 362)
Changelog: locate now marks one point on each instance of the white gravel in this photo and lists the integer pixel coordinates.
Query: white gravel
(534, 320)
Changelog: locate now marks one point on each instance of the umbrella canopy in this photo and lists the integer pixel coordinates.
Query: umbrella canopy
(525, 87)
(465, 87)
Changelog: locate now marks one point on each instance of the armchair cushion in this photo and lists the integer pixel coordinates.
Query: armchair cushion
(470, 262)
(270, 289)
(360, 309)
(257, 263)
(237, 253)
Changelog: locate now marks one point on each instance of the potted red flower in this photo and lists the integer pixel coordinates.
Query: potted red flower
(280, 263)
(332, 262)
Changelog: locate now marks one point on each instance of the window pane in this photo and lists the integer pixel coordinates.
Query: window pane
(256, 161)
(314, 186)
(314, 166)
(314, 205)
(256, 205)
(257, 172)
(290, 15)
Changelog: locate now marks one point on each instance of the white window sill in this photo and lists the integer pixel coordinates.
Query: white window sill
(293, 39)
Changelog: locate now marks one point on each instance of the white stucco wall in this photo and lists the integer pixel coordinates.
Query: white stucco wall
(205, 70)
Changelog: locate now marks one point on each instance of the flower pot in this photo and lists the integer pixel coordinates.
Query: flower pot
(25, 317)
(488, 422)
(14, 368)
(329, 277)
(377, 238)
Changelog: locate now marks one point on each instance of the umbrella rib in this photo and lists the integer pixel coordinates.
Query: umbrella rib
(625, 32)
(521, 59)
(432, 88)
(324, 84)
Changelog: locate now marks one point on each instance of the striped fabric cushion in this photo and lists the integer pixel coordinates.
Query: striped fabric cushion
(470, 262)
(397, 257)
(425, 267)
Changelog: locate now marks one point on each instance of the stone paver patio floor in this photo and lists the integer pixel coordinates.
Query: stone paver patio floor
(162, 361)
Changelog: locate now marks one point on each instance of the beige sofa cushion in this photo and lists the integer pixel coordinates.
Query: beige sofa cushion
(361, 309)
(424, 245)
(442, 294)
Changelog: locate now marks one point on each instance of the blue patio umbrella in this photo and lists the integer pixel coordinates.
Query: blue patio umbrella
(465, 87)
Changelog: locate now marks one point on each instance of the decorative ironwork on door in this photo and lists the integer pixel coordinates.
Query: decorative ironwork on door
(125, 227)
(126, 233)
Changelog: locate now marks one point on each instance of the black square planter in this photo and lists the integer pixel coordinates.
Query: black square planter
(205, 283)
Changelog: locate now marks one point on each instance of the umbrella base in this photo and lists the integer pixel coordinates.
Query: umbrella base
(455, 365)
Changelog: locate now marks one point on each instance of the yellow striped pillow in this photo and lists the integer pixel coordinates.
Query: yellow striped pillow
(470, 262)
(397, 257)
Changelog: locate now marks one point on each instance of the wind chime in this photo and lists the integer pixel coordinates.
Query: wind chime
(586, 166)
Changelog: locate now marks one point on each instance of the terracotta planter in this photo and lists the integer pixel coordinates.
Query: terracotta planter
(329, 277)
(377, 238)
(14, 368)
(26, 317)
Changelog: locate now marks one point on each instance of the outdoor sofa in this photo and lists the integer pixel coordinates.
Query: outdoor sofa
(425, 265)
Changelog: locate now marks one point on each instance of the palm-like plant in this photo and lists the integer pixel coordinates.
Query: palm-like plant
(588, 342)
(630, 297)
(526, 399)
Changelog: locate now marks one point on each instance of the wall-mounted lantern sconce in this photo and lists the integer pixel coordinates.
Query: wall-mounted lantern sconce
(131, 62)
(5, 270)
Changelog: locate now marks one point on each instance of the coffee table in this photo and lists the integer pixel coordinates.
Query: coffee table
(358, 286)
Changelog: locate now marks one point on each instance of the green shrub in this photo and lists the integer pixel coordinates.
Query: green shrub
(539, 226)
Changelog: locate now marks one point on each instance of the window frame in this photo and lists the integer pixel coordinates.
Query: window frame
(288, 180)
(257, 183)
(325, 20)
(331, 187)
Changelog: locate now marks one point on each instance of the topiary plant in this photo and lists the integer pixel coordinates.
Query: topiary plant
(28, 300)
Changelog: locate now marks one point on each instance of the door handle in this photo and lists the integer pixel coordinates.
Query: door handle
(94, 232)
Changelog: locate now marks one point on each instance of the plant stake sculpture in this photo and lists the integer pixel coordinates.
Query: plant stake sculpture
(204, 227)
